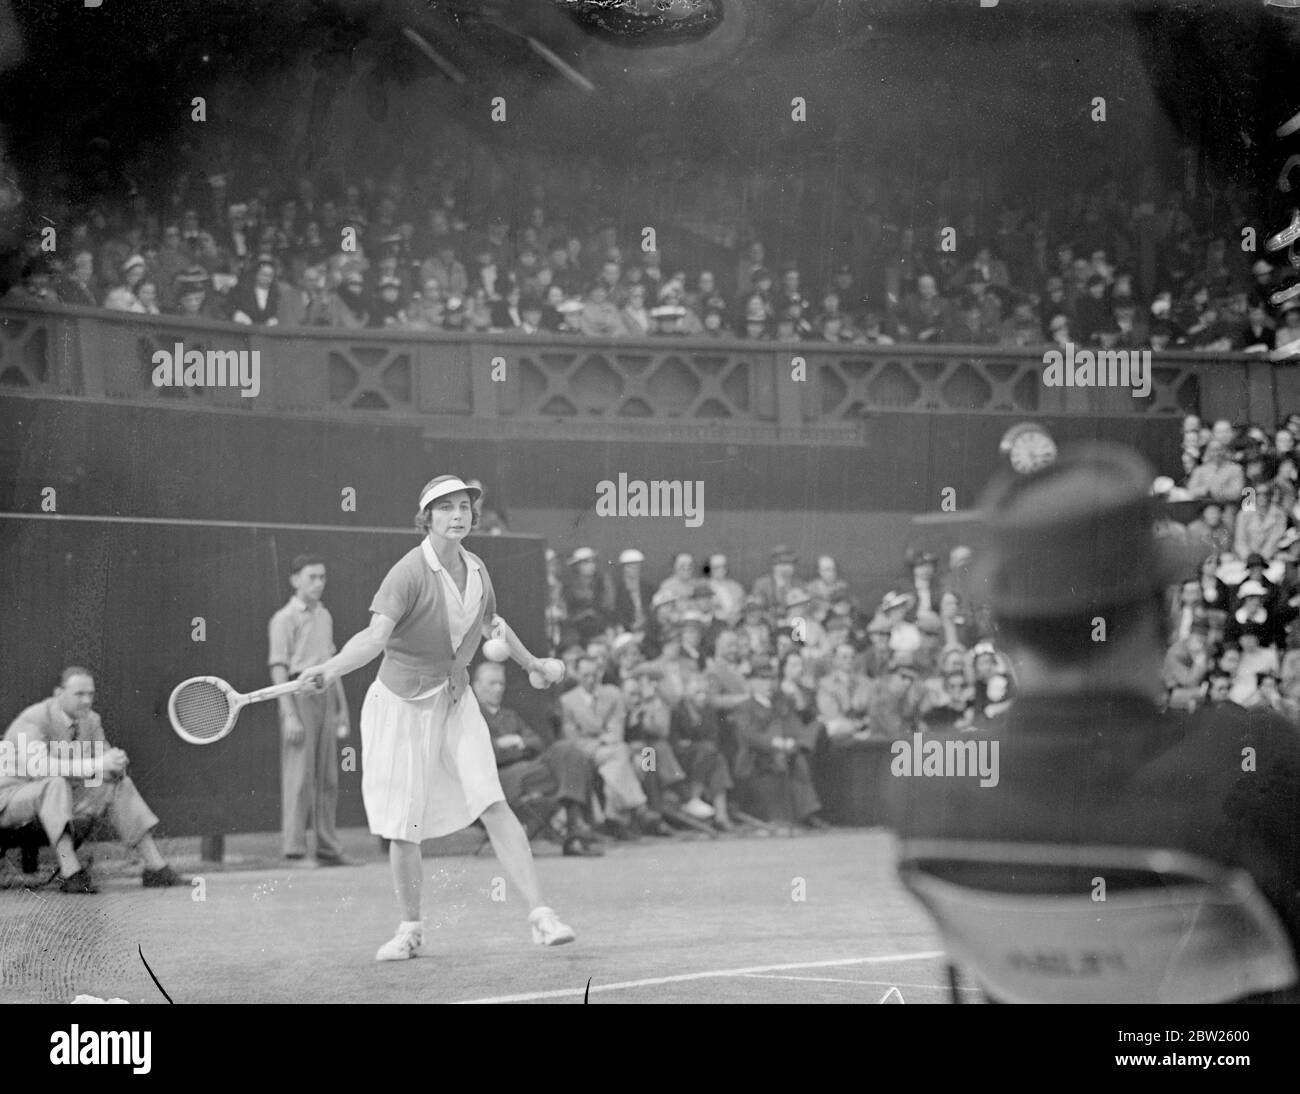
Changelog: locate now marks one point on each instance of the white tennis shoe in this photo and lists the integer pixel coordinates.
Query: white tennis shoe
(404, 945)
(547, 928)
(699, 809)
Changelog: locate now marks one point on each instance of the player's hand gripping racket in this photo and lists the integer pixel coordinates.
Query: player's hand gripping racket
(203, 709)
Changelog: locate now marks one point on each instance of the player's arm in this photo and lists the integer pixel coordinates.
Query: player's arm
(362, 648)
(519, 653)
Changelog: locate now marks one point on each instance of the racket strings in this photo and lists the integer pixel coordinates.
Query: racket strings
(202, 709)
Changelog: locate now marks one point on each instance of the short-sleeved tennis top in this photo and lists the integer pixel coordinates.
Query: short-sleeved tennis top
(436, 629)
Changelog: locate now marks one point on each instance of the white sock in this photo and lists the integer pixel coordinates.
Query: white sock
(411, 925)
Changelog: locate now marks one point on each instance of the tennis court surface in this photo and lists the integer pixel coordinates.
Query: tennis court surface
(659, 921)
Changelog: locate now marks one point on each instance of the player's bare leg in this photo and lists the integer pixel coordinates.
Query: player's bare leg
(408, 879)
(510, 843)
(404, 858)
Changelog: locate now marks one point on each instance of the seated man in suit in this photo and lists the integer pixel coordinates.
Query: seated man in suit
(593, 717)
(772, 763)
(1086, 758)
(530, 769)
(63, 734)
(695, 731)
(662, 776)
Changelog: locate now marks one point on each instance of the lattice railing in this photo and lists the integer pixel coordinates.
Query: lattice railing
(665, 387)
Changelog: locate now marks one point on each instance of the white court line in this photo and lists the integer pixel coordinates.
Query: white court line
(846, 980)
(713, 974)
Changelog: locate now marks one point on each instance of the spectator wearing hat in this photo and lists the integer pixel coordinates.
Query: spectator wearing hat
(570, 312)
(1257, 655)
(801, 621)
(772, 761)
(588, 595)
(122, 297)
(894, 709)
(1257, 610)
(625, 657)
(728, 603)
(773, 588)
(192, 296)
(873, 661)
(633, 594)
(992, 680)
(1261, 283)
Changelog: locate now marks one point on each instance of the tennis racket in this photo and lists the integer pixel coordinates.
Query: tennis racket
(203, 709)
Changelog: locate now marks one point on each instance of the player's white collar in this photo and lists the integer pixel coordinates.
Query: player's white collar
(435, 564)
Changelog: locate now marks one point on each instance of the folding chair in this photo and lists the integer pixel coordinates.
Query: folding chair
(1172, 927)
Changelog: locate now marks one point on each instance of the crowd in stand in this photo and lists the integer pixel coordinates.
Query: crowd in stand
(376, 256)
(742, 696)
(1234, 627)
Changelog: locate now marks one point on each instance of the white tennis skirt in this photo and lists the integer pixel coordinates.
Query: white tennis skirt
(428, 768)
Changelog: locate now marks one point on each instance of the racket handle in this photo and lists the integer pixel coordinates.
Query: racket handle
(289, 687)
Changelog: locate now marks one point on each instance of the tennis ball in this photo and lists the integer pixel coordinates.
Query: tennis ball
(496, 649)
(537, 680)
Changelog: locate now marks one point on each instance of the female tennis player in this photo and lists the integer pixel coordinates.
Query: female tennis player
(429, 767)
